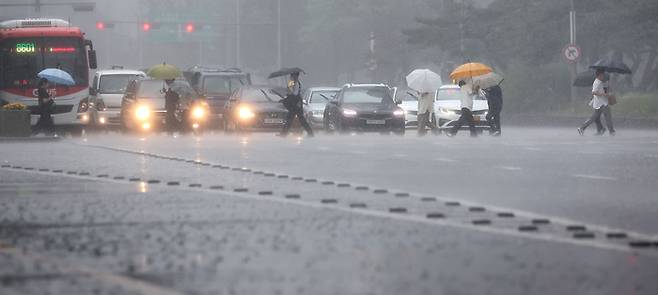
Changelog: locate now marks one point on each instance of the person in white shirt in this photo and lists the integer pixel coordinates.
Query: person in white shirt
(468, 92)
(425, 110)
(600, 104)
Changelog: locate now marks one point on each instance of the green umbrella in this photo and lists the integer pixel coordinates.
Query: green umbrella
(164, 72)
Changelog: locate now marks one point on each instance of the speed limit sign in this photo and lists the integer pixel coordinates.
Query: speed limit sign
(571, 52)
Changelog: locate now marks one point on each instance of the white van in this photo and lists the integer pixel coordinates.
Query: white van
(105, 95)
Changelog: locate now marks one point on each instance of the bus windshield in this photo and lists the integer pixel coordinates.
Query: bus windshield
(21, 59)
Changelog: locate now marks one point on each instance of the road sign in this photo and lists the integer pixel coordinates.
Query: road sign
(572, 53)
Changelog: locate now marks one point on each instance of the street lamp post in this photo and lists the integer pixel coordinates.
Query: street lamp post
(278, 35)
(574, 64)
(237, 33)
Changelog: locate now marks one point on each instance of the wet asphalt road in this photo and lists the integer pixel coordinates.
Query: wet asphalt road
(537, 211)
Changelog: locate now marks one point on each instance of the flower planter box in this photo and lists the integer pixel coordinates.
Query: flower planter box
(15, 123)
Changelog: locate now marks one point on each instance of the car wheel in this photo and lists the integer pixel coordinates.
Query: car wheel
(400, 131)
(340, 126)
(329, 127)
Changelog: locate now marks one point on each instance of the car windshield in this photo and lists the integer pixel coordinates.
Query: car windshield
(261, 95)
(156, 89)
(222, 84)
(322, 97)
(115, 84)
(379, 95)
(23, 58)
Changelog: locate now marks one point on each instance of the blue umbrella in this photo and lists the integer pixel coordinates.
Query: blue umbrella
(57, 76)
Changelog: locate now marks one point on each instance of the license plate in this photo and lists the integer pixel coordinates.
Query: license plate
(476, 118)
(375, 122)
(273, 121)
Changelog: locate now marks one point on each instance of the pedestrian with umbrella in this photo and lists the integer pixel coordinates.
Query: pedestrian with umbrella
(602, 97)
(293, 100)
(490, 85)
(168, 73)
(464, 73)
(46, 103)
(424, 82)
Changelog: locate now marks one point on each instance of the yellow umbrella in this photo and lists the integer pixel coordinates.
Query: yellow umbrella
(470, 70)
(164, 72)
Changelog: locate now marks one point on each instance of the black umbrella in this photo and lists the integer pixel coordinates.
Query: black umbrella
(586, 78)
(285, 72)
(612, 64)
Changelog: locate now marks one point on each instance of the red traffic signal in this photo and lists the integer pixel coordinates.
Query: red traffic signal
(189, 28)
(100, 25)
(146, 27)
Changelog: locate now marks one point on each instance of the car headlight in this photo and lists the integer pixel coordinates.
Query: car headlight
(349, 113)
(245, 113)
(198, 112)
(83, 106)
(143, 113)
(399, 113)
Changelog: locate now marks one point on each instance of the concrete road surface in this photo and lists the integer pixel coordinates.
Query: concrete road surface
(537, 211)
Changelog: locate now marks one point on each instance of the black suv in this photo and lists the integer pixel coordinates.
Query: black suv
(216, 85)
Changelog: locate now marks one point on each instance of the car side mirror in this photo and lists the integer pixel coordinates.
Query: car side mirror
(398, 102)
(92, 91)
(91, 56)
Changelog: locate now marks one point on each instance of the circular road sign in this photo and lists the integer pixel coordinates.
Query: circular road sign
(571, 52)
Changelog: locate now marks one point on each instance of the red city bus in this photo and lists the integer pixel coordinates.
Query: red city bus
(27, 47)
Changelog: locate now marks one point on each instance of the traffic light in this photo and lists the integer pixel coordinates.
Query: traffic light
(100, 25)
(189, 27)
(146, 27)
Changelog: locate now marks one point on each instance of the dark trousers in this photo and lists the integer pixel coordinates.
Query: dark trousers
(493, 118)
(466, 118)
(171, 123)
(596, 118)
(299, 113)
(45, 124)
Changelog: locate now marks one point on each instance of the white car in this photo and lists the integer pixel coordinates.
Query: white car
(447, 107)
(408, 100)
(105, 95)
(315, 100)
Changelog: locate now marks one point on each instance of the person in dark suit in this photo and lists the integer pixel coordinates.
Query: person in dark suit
(45, 107)
(172, 99)
(294, 105)
(495, 100)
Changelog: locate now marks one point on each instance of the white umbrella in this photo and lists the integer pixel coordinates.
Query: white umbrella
(487, 80)
(424, 80)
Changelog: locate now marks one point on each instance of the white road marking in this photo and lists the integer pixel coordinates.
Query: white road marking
(595, 177)
(509, 168)
(358, 152)
(526, 214)
(400, 155)
(533, 149)
(591, 153)
(547, 237)
(445, 160)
